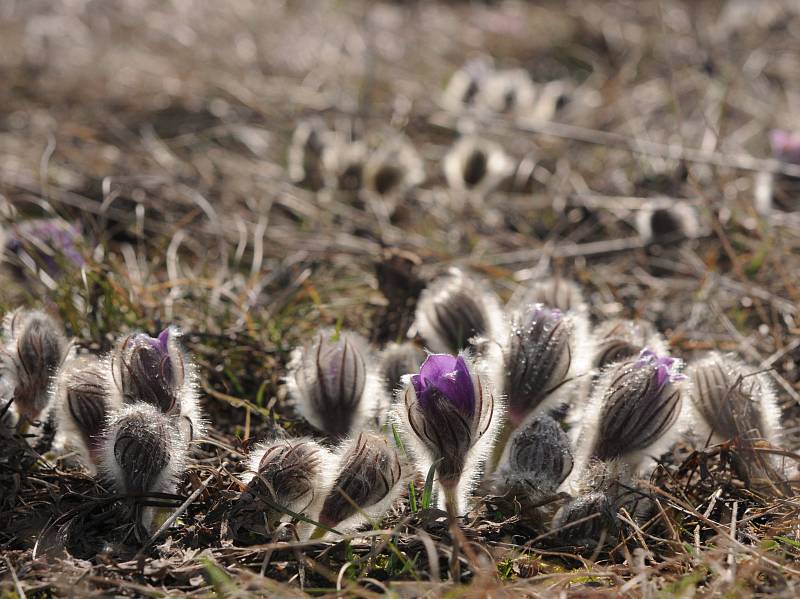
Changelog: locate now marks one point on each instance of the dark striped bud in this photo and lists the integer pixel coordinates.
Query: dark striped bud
(398, 360)
(617, 340)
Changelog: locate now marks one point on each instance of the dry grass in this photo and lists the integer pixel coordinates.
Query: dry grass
(163, 128)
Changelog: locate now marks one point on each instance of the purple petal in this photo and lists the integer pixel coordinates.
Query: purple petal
(447, 376)
(785, 145)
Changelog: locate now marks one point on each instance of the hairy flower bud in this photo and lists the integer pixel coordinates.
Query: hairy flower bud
(455, 309)
(398, 360)
(287, 474)
(553, 292)
(617, 340)
(83, 404)
(731, 402)
(343, 162)
(584, 520)
(394, 168)
(335, 386)
(465, 85)
(658, 223)
(476, 165)
(35, 347)
(143, 453)
(633, 411)
(540, 357)
(537, 459)
(368, 481)
(449, 417)
(155, 371)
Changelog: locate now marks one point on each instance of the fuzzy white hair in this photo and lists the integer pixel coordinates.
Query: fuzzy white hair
(492, 160)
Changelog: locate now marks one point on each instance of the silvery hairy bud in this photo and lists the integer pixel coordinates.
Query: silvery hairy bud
(286, 474)
(398, 360)
(83, 403)
(476, 165)
(156, 371)
(35, 347)
(659, 223)
(508, 91)
(633, 411)
(536, 460)
(305, 153)
(730, 401)
(334, 383)
(393, 169)
(553, 292)
(455, 309)
(465, 85)
(143, 452)
(450, 417)
(586, 520)
(343, 163)
(545, 350)
(369, 479)
(617, 340)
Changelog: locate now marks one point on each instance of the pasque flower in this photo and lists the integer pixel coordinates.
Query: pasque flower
(454, 310)
(393, 169)
(398, 360)
(35, 347)
(334, 383)
(369, 479)
(156, 371)
(476, 165)
(785, 145)
(731, 402)
(658, 223)
(536, 460)
(143, 452)
(554, 292)
(585, 519)
(309, 140)
(83, 403)
(450, 417)
(286, 474)
(45, 243)
(633, 411)
(465, 85)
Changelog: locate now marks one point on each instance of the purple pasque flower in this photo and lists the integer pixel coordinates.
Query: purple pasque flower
(148, 369)
(447, 411)
(445, 377)
(785, 145)
(641, 402)
(44, 238)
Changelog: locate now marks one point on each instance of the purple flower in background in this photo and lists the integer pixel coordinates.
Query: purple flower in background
(43, 239)
(445, 377)
(785, 145)
(665, 367)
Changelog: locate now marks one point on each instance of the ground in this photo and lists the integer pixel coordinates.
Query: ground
(163, 128)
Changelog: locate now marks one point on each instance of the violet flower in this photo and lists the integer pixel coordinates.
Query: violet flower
(617, 340)
(40, 242)
(785, 145)
(449, 417)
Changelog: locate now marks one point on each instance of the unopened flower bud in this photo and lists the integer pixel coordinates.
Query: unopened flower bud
(617, 340)
(585, 520)
(343, 163)
(155, 371)
(545, 350)
(465, 85)
(393, 169)
(286, 475)
(732, 402)
(508, 91)
(475, 164)
(368, 481)
(634, 410)
(34, 350)
(537, 459)
(334, 383)
(83, 404)
(143, 451)
(553, 292)
(659, 223)
(450, 417)
(455, 309)
(398, 360)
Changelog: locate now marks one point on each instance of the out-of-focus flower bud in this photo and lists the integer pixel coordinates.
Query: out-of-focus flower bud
(35, 347)
(450, 418)
(553, 292)
(454, 309)
(343, 163)
(334, 383)
(537, 459)
(731, 403)
(465, 85)
(508, 91)
(393, 169)
(476, 165)
(585, 520)
(785, 145)
(617, 340)
(45, 243)
(657, 223)
(83, 403)
(398, 360)
(369, 479)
